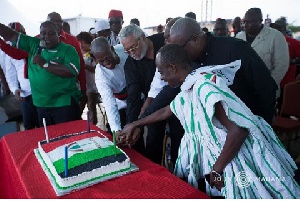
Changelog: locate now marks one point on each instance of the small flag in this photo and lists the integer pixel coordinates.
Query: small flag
(88, 121)
(46, 132)
(115, 144)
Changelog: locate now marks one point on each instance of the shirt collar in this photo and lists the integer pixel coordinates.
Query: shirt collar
(62, 34)
(189, 81)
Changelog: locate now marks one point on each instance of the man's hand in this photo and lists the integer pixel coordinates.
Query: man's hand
(82, 101)
(37, 59)
(18, 94)
(216, 181)
(129, 135)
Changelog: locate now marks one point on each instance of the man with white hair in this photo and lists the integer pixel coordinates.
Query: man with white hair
(139, 71)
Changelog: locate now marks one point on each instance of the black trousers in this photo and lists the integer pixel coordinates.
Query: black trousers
(155, 137)
(156, 132)
(56, 115)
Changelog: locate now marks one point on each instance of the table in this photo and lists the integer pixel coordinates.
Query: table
(21, 175)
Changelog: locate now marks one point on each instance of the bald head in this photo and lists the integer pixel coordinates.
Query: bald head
(104, 54)
(255, 12)
(100, 44)
(56, 19)
(183, 28)
(187, 33)
(168, 27)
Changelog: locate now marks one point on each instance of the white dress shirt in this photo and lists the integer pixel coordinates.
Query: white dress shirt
(90, 76)
(14, 73)
(114, 39)
(156, 85)
(108, 82)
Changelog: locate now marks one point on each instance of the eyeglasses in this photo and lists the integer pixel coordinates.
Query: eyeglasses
(117, 22)
(133, 48)
(190, 38)
(187, 41)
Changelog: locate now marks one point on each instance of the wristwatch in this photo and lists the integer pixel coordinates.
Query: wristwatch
(46, 65)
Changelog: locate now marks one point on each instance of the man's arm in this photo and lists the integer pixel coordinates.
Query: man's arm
(56, 69)
(105, 89)
(156, 86)
(163, 99)
(159, 115)
(235, 138)
(7, 33)
(147, 102)
(11, 66)
(12, 51)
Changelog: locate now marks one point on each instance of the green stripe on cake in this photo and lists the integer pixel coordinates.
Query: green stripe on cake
(85, 157)
(81, 183)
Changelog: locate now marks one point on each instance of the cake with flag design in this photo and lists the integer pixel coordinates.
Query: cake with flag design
(78, 160)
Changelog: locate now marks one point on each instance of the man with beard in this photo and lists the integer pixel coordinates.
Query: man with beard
(139, 71)
(224, 141)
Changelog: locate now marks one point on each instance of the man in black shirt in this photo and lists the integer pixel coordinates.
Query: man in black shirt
(252, 83)
(139, 71)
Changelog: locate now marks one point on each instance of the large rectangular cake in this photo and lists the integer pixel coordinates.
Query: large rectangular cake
(91, 158)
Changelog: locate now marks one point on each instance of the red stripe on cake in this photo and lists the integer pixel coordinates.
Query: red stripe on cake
(53, 145)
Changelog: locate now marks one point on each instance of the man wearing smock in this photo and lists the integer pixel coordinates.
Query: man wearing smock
(52, 70)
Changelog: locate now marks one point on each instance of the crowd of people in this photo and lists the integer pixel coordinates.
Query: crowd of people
(216, 93)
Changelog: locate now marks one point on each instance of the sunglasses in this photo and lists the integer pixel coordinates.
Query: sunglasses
(117, 22)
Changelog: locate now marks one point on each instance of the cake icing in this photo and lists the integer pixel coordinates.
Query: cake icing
(92, 158)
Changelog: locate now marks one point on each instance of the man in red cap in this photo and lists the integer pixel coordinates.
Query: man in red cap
(115, 19)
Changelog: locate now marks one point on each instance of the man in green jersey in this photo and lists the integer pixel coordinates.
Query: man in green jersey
(52, 70)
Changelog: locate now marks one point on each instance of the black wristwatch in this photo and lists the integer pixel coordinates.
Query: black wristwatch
(219, 174)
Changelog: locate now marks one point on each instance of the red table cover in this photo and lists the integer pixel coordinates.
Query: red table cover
(21, 175)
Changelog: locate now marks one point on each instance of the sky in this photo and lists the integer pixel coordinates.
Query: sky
(155, 12)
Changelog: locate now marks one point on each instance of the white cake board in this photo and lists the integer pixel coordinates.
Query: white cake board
(61, 192)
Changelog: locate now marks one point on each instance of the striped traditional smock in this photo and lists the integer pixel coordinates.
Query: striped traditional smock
(261, 169)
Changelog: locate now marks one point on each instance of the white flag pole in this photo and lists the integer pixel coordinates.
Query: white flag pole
(46, 132)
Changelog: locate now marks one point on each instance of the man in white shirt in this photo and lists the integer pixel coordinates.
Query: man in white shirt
(18, 84)
(110, 80)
